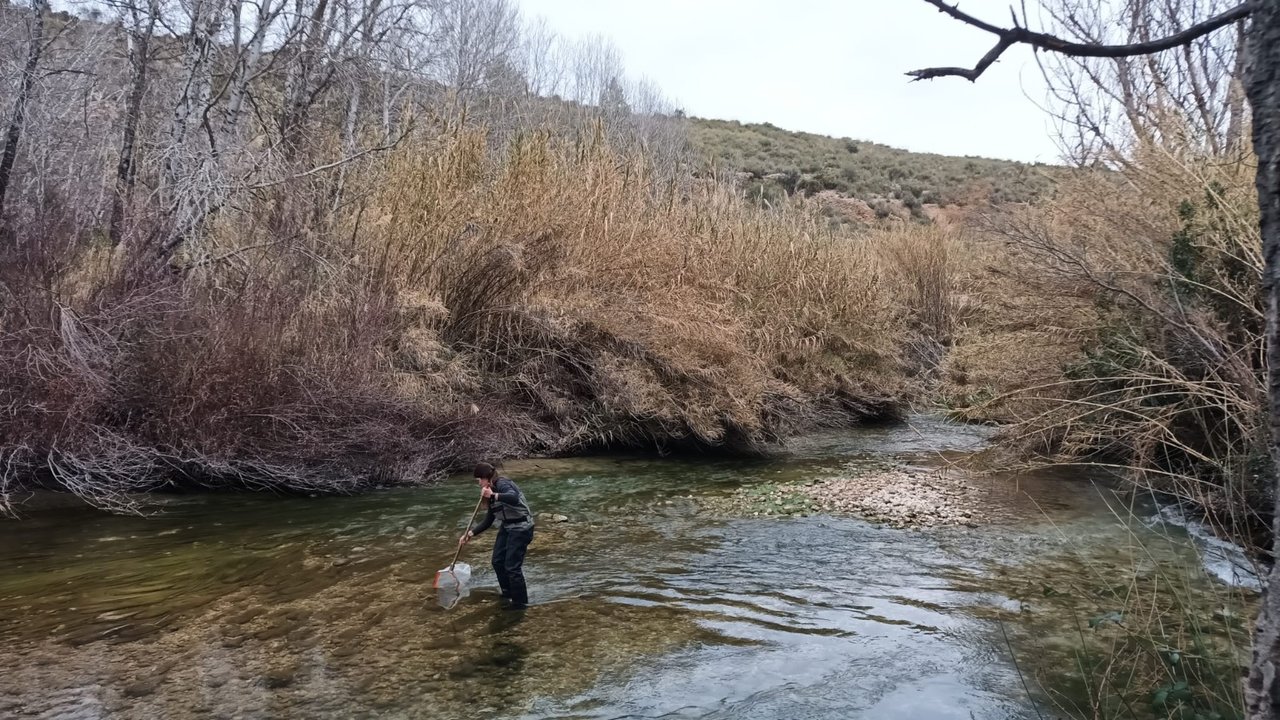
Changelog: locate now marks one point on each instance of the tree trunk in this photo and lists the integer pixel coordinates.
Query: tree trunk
(298, 91)
(187, 187)
(24, 93)
(1236, 91)
(348, 140)
(1262, 691)
(139, 61)
(248, 67)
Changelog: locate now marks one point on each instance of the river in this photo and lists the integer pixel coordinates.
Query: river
(644, 606)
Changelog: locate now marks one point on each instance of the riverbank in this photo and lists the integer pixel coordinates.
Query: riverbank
(516, 435)
(486, 299)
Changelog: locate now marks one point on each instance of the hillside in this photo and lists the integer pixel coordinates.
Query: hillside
(809, 163)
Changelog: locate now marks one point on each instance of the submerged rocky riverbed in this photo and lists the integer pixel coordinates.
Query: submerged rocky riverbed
(858, 577)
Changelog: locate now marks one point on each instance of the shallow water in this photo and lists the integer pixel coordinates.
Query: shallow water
(249, 606)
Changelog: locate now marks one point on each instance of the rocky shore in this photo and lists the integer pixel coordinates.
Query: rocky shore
(898, 496)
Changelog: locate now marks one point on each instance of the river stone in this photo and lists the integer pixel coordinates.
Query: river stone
(143, 687)
(302, 637)
(350, 633)
(278, 628)
(364, 684)
(343, 651)
(245, 616)
(280, 677)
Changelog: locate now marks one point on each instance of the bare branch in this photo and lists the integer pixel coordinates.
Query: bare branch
(1008, 37)
(332, 165)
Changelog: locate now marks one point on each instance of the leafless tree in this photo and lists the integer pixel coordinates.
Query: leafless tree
(1195, 92)
(1262, 85)
(594, 63)
(64, 119)
(35, 46)
(141, 27)
(1262, 692)
(188, 165)
(216, 148)
(479, 38)
(544, 64)
(188, 107)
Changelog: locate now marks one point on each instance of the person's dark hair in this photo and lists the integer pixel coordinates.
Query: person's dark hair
(485, 471)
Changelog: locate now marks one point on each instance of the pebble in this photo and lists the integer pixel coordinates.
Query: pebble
(279, 677)
(143, 688)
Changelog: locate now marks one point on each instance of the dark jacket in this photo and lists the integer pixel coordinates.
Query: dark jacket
(508, 507)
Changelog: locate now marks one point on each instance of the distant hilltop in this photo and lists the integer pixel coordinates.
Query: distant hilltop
(856, 177)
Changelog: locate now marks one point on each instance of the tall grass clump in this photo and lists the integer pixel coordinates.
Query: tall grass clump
(624, 310)
(930, 267)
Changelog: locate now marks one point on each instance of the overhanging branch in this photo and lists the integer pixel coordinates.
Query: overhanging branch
(1016, 35)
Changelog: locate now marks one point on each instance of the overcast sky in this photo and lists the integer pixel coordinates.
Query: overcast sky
(828, 66)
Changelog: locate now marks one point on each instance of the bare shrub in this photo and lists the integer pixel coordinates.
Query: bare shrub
(1149, 280)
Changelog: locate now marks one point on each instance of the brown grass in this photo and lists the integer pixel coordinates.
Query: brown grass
(628, 311)
(930, 269)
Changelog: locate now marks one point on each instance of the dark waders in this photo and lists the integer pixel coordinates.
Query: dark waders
(508, 561)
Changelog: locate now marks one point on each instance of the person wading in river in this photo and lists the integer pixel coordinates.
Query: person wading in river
(515, 531)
